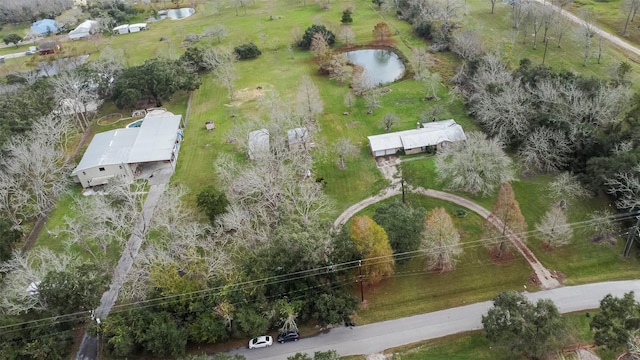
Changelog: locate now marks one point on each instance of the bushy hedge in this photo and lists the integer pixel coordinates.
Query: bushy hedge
(247, 51)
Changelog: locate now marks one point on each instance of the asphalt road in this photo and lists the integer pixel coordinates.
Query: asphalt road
(14, 55)
(378, 337)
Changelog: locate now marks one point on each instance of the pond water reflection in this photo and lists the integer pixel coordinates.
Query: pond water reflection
(383, 66)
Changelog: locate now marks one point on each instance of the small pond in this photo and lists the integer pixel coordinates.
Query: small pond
(176, 14)
(384, 66)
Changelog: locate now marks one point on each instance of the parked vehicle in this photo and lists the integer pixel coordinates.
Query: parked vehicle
(29, 52)
(260, 342)
(288, 336)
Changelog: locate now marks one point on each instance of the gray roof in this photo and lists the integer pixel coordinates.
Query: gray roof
(154, 140)
(157, 138)
(108, 148)
(430, 134)
(297, 135)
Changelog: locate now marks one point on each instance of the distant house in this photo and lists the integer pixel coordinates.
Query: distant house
(258, 143)
(298, 139)
(45, 27)
(83, 30)
(129, 28)
(48, 47)
(137, 27)
(125, 153)
(437, 133)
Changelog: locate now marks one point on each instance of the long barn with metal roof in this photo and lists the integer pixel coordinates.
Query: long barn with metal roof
(437, 133)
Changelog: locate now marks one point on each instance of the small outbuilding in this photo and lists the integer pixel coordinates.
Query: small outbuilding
(437, 133)
(48, 47)
(137, 27)
(83, 30)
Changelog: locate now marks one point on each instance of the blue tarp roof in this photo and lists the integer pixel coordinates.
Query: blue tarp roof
(45, 26)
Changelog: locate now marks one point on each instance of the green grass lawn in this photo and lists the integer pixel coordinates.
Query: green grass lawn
(414, 289)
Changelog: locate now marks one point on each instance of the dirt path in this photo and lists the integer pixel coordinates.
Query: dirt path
(545, 278)
(617, 41)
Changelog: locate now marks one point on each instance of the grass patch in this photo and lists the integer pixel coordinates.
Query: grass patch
(413, 289)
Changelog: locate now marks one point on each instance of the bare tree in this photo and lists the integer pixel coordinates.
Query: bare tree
(625, 185)
(477, 165)
(22, 275)
(493, 5)
(388, 120)
(34, 172)
(346, 34)
(339, 68)
(545, 150)
(566, 187)
(554, 228)
(440, 240)
(75, 97)
(519, 9)
(548, 16)
(421, 60)
(372, 100)
(308, 101)
(432, 80)
(218, 31)
(349, 100)
(587, 33)
(467, 44)
(344, 149)
(630, 8)
(225, 71)
(536, 17)
(562, 4)
(500, 103)
(561, 26)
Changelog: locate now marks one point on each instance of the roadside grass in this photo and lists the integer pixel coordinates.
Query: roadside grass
(474, 345)
(413, 289)
(497, 35)
(609, 16)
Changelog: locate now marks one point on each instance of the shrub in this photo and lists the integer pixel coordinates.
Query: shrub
(307, 38)
(247, 51)
(423, 30)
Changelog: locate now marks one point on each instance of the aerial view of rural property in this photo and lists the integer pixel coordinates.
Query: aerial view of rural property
(320, 179)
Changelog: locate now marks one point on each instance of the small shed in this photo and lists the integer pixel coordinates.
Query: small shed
(121, 29)
(48, 47)
(258, 143)
(83, 30)
(209, 125)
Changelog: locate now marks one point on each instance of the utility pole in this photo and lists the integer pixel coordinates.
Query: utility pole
(632, 235)
(402, 184)
(361, 289)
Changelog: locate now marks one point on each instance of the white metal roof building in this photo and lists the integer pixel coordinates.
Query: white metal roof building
(83, 30)
(120, 152)
(417, 140)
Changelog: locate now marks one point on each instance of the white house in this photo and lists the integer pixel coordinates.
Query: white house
(83, 30)
(123, 153)
(258, 143)
(437, 133)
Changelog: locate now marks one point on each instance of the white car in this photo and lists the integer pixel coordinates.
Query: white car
(260, 342)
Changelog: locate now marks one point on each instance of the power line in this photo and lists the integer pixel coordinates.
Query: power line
(298, 275)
